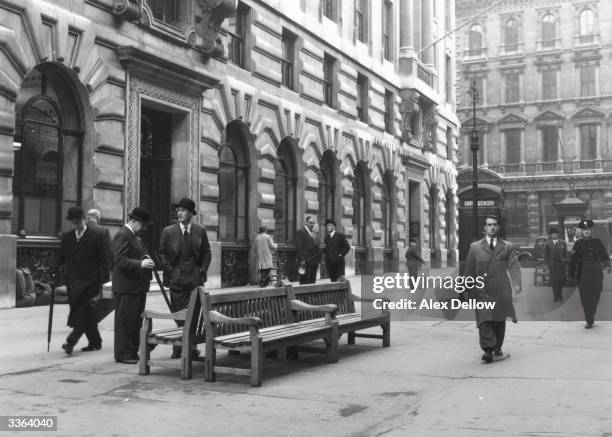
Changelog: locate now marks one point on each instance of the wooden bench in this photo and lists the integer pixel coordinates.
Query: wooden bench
(349, 320)
(187, 336)
(260, 321)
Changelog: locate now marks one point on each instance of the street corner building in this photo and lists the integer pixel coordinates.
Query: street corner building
(264, 112)
(541, 70)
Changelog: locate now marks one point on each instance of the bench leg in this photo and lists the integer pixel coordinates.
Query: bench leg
(186, 363)
(209, 362)
(351, 338)
(331, 345)
(386, 327)
(144, 352)
(256, 363)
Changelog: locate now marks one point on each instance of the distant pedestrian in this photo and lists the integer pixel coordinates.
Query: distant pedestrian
(132, 274)
(263, 246)
(93, 220)
(185, 255)
(413, 260)
(335, 248)
(588, 256)
(83, 252)
(308, 252)
(495, 261)
(556, 256)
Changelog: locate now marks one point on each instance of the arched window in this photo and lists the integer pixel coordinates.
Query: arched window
(387, 210)
(327, 187)
(511, 35)
(233, 189)
(549, 31)
(476, 40)
(48, 154)
(285, 194)
(586, 25)
(360, 207)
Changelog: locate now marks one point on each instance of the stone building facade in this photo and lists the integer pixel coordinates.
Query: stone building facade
(265, 112)
(545, 108)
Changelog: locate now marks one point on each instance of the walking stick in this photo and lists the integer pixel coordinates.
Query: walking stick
(50, 323)
(163, 290)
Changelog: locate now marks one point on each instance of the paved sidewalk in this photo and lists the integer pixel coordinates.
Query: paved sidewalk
(430, 382)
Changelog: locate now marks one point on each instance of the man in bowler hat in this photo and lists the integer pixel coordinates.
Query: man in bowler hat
(335, 247)
(308, 253)
(132, 272)
(83, 251)
(185, 255)
(588, 255)
(556, 256)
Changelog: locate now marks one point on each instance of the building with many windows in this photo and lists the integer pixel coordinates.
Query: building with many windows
(544, 109)
(265, 112)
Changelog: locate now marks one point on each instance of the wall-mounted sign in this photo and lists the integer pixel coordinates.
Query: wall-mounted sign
(480, 203)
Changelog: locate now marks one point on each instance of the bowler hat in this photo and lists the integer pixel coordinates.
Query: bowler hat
(187, 204)
(330, 221)
(553, 231)
(75, 213)
(141, 214)
(586, 224)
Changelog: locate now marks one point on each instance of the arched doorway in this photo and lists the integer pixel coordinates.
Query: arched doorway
(361, 216)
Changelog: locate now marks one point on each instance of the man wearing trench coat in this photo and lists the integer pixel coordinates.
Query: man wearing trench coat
(495, 261)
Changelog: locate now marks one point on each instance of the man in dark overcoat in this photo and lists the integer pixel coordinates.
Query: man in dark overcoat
(185, 256)
(308, 252)
(335, 248)
(83, 251)
(588, 256)
(556, 256)
(495, 261)
(132, 272)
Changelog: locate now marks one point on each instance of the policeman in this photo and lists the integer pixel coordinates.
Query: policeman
(588, 255)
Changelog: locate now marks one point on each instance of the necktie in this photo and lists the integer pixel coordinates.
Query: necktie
(491, 245)
(185, 234)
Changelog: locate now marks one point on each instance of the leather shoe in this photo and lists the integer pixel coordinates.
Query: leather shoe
(588, 326)
(68, 348)
(487, 357)
(90, 348)
(127, 360)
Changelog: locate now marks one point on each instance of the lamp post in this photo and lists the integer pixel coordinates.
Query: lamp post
(474, 146)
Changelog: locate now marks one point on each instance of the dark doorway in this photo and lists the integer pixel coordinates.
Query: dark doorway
(155, 172)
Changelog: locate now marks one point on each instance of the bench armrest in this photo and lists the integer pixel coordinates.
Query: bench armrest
(217, 317)
(298, 305)
(179, 315)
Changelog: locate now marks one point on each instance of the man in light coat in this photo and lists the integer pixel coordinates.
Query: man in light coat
(263, 246)
(495, 261)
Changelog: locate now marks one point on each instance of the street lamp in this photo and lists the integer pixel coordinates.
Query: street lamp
(474, 146)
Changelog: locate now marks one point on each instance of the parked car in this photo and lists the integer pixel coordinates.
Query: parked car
(531, 256)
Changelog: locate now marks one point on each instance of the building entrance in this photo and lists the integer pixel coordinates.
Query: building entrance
(155, 173)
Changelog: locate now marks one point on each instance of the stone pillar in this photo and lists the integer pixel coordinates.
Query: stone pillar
(427, 31)
(406, 25)
(533, 216)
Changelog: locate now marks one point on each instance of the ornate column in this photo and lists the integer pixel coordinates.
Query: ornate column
(406, 27)
(427, 31)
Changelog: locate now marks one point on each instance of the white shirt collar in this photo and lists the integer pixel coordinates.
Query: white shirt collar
(183, 227)
(331, 234)
(130, 228)
(78, 234)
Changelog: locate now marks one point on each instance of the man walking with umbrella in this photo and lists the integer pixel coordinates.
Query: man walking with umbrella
(83, 250)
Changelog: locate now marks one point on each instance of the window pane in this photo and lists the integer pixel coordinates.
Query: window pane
(513, 146)
(550, 144)
(586, 22)
(549, 85)
(511, 35)
(548, 31)
(587, 80)
(588, 141)
(475, 40)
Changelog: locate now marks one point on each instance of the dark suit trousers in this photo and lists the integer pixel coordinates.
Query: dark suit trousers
(557, 278)
(85, 323)
(128, 311)
(492, 335)
(335, 269)
(310, 277)
(179, 298)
